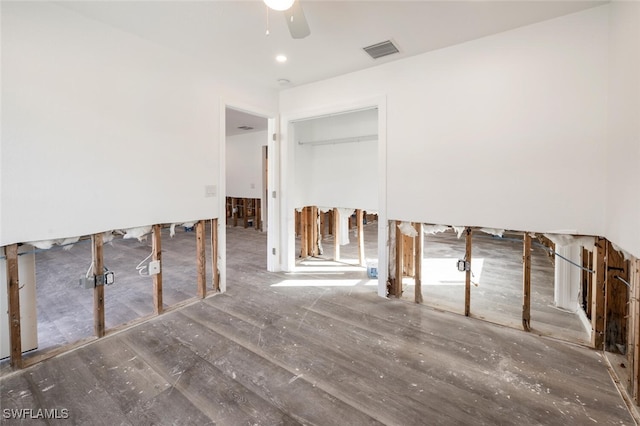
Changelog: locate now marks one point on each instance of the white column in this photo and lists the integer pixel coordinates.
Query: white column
(567, 277)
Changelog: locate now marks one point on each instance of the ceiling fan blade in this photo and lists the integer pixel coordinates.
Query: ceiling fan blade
(298, 26)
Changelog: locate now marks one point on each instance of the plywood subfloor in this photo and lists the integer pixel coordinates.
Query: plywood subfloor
(267, 354)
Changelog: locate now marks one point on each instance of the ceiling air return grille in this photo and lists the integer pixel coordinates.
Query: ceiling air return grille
(379, 50)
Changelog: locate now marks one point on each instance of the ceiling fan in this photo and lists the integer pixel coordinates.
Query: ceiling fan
(294, 15)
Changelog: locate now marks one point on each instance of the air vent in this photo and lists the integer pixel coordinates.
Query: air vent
(381, 49)
(245, 127)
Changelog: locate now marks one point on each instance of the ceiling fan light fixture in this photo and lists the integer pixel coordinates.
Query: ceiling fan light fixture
(279, 4)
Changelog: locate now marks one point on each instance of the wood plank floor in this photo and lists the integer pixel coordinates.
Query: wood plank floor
(266, 353)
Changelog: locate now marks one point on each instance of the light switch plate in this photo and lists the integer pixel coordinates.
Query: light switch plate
(210, 191)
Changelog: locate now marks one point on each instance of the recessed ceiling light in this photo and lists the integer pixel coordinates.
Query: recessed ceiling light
(281, 58)
(283, 81)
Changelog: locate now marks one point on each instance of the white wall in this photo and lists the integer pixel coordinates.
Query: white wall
(337, 174)
(244, 164)
(507, 131)
(623, 166)
(102, 129)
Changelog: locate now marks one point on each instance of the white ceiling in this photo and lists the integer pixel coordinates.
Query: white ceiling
(234, 119)
(229, 36)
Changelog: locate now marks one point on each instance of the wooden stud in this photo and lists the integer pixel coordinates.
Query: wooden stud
(360, 225)
(526, 283)
(616, 298)
(634, 341)
(313, 228)
(397, 288)
(201, 259)
(98, 290)
(408, 256)
(336, 234)
(467, 281)
(330, 220)
(156, 244)
(13, 289)
(304, 235)
(419, 249)
(234, 210)
(598, 293)
(214, 255)
(245, 212)
(258, 217)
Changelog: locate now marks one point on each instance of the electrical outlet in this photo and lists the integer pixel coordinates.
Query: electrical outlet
(154, 267)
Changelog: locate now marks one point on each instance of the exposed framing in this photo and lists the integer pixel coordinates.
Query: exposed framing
(97, 250)
(97, 254)
(467, 279)
(156, 247)
(598, 293)
(419, 249)
(526, 282)
(13, 289)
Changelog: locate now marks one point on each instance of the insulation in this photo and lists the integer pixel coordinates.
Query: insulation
(493, 231)
(43, 245)
(565, 240)
(107, 237)
(139, 232)
(434, 229)
(459, 230)
(172, 228)
(407, 229)
(67, 243)
(625, 254)
(345, 214)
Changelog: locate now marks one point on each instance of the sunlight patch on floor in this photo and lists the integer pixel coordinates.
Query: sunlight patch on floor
(444, 271)
(324, 283)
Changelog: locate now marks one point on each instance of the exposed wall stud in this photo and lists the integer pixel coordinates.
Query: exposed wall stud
(258, 216)
(98, 291)
(526, 283)
(201, 259)
(467, 282)
(313, 231)
(336, 234)
(13, 289)
(419, 249)
(598, 293)
(634, 341)
(234, 211)
(360, 220)
(214, 255)
(304, 234)
(397, 287)
(617, 296)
